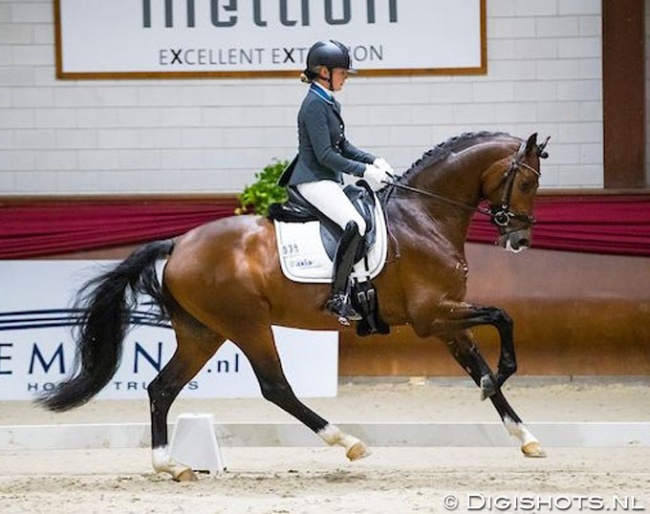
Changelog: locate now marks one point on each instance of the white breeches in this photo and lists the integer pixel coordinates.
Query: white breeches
(328, 197)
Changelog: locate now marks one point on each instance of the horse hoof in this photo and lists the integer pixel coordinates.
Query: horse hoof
(533, 449)
(357, 451)
(186, 476)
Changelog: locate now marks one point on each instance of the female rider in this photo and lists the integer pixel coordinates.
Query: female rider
(324, 154)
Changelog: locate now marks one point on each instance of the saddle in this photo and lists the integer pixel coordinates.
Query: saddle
(298, 210)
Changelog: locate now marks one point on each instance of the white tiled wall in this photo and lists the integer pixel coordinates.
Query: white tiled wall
(176, 136)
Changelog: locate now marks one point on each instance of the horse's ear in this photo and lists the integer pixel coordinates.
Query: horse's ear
(543, 154)
(531, 144)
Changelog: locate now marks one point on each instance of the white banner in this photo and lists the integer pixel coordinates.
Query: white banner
(34, 357)
(270, 37)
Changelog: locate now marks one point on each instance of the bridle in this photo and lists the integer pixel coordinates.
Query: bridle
(501, 215)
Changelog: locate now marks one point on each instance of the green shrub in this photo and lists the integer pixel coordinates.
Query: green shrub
(257, 197)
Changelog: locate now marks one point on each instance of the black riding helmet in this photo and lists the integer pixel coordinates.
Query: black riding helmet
(330, 54)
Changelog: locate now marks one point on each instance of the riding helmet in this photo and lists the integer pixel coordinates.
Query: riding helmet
(330, 54)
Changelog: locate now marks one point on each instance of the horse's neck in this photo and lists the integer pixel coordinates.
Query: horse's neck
(457, 192)
(457, 183)
(412, 218)
(455, 180)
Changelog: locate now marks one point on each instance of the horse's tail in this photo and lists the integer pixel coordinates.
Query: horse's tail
(105, 304)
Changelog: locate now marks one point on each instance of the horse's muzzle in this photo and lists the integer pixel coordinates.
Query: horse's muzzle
(516, 240)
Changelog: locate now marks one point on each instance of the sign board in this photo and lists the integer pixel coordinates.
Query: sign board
(255, 38)
(34, 356)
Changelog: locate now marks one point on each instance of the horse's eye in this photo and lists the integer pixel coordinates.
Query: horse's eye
(526, 186)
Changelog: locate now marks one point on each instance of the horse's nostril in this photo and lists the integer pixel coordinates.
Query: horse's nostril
(516, 242)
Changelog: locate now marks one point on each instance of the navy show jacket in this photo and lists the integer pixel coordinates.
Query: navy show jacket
(324, 153)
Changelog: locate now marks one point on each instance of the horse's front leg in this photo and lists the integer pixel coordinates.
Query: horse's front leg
(463, 316)
(462, 347)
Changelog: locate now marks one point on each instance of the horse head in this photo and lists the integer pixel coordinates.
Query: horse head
(510, 186)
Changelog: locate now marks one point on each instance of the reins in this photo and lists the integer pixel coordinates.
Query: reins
(442, 198)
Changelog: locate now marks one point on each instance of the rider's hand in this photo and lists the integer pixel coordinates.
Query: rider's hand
(382, 164)
(376, 174)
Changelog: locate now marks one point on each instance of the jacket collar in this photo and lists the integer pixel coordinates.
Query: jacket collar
(321, 92)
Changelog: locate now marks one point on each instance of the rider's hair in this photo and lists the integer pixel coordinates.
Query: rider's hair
(308, 76)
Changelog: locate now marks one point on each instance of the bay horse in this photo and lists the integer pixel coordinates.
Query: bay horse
(223, 280)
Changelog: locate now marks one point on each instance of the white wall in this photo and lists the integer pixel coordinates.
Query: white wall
(177, 136)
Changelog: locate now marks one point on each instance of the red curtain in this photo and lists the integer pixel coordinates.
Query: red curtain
(49, 228)
(608, 224)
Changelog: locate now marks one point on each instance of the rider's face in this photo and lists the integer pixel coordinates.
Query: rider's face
(338, 78)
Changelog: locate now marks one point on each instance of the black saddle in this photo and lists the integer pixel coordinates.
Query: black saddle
(298, 210)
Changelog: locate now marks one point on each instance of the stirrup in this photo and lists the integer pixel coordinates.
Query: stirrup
(339, 305)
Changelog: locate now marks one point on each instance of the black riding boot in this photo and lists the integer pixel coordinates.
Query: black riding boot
(339, 300)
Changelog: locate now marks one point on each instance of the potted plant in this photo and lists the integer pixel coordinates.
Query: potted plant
(258, 196)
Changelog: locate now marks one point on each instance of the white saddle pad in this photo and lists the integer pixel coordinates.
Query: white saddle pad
(303, 257)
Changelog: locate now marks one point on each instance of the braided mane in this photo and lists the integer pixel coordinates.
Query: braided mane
(439, 153)
(443, 150)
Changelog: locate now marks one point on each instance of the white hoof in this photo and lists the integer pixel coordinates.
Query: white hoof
(530, 446)
(357, 451)
(163, 463)
(533, 449)
(186, 475)
(354, 448)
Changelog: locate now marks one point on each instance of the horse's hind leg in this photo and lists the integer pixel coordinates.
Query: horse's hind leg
(463, 349)
(258, 344)
(195, 345)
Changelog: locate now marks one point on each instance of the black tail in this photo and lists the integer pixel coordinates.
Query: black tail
(106, 303)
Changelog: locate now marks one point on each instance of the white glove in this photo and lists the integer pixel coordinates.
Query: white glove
(375, 174)
(381, 163)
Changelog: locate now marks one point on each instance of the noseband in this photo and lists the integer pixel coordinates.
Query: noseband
(501, 215)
